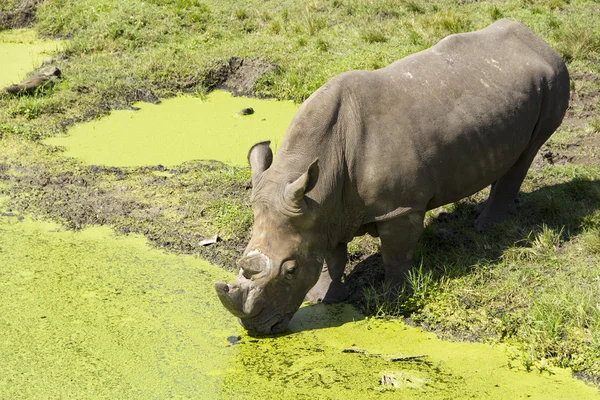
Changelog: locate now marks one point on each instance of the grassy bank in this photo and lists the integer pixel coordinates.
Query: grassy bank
(534, 281)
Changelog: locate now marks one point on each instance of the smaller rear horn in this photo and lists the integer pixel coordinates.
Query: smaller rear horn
(252, 264)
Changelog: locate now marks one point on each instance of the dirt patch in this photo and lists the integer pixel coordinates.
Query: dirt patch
(584, 101)
(23, 16)
(583, 150)
(134, 200)
(237, 75)
(589, 378)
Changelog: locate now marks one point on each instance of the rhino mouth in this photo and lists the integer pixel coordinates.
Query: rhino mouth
(273, 326)
(252, 315)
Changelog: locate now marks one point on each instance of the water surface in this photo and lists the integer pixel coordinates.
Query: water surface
(90, 314)
(179, 129)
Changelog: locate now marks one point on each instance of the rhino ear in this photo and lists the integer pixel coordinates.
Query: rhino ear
(296, 190)
(260, 158)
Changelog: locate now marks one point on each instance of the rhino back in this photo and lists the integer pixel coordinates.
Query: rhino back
(446, 122)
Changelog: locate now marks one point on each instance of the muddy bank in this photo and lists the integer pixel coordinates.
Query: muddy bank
(22, 15)
(22, 52)
(174, 208)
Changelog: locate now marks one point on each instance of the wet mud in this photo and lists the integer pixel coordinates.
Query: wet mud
(21, 17)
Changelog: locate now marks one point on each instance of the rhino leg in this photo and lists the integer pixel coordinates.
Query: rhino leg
(504, 191)
(330, 288)
(481, 206)
(399, 238)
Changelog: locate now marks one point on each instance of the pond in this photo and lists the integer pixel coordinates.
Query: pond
(21, 52)
(90, 314)
(179, 129)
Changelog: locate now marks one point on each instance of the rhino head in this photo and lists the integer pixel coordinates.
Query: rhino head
(283, 259)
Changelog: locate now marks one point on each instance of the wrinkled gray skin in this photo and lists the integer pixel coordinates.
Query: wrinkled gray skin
(371, 151)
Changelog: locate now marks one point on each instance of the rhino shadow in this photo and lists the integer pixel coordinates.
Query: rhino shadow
(450, 245)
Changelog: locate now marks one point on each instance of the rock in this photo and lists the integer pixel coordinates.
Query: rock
(246, 111)
(210, 241)
(29, 85)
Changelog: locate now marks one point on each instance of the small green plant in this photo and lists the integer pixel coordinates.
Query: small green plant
(374, 36)
(449, 21)
(276, 27)
(313, 22)
(301, 41)
(414, 7)
(241, 14)
(420, 283)
(322, 45)
(575, 41)
(595, 125)
(495, 13)
(383, 303)
(537, 245)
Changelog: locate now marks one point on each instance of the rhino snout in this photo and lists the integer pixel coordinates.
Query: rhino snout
(221, 287)
(232, 297)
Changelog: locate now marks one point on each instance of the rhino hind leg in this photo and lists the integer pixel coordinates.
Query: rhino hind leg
(330, 288)
(504, 191)
(399, 239)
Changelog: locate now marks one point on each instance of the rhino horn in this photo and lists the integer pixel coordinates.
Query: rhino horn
(231, 297)
(254, 263)
(296, 190)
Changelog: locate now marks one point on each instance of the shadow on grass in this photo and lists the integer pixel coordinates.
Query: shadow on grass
(451, 247)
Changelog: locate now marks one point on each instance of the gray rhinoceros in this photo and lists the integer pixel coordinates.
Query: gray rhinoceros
(372, 151)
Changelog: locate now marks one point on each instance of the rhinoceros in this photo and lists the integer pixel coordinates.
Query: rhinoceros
(372, 151)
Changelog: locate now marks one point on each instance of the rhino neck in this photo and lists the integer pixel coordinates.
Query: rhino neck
(318, 131)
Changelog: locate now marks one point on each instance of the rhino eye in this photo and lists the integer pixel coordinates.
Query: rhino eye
(289, 267)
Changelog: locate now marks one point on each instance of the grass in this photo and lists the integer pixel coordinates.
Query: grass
(530, 283)
(533, 282)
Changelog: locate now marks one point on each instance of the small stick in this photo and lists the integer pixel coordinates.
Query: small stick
(408, 358)
(358, 350)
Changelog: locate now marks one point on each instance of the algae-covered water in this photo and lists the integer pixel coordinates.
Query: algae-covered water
(20, 52)
(179, 129)
(89, 314)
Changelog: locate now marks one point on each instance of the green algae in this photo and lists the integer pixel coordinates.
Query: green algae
(21, 52)
(89, 314)
(179, 129)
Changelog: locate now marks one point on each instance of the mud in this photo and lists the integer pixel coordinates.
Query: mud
(237, 75)
(584, 101)
(583, 149)
(21, 17)
(175, 208)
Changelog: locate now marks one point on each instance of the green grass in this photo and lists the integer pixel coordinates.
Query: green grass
(532, 282)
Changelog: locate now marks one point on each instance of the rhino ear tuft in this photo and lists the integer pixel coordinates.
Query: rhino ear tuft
(296, 190)
(260, 158)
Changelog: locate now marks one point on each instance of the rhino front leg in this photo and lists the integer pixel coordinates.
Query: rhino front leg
(399, 238)
(330, 288)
